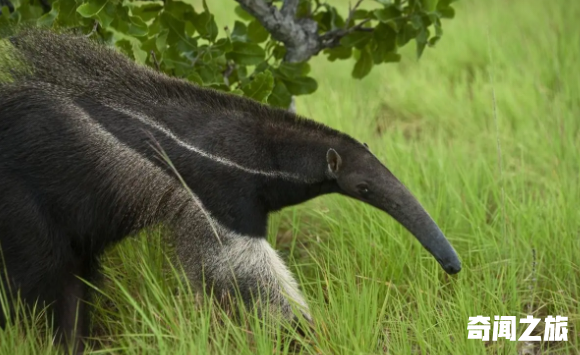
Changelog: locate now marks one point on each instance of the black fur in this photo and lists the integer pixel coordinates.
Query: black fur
(80, 132)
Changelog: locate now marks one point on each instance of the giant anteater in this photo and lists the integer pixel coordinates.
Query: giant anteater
(81, 129)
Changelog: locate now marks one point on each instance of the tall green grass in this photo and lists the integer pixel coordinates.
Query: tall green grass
(484, 130)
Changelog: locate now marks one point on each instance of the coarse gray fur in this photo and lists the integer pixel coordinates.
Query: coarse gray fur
(81, 131)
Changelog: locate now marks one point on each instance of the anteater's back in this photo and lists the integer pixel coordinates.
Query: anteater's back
(73, 65)
(77, 65)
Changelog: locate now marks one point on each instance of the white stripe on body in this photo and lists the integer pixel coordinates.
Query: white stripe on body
(218, 159)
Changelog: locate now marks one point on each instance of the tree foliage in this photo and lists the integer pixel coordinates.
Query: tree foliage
(183, 40)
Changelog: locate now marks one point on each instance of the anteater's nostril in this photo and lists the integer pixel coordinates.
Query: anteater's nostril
(452, 268)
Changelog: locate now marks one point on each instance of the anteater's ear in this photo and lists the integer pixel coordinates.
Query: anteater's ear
(334, 161)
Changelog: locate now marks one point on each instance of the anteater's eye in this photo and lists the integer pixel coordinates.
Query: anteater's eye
(363, 188)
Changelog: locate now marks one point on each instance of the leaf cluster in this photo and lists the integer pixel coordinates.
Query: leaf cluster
(180, 40)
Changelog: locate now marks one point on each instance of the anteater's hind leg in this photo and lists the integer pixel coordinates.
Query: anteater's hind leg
(47, 275)
(41, 265)
(6, 307)
(248, 267)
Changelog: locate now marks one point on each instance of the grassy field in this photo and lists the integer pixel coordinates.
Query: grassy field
(484, 130)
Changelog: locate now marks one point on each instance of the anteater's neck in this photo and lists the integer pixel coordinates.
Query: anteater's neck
(301, 150)
(245, 160)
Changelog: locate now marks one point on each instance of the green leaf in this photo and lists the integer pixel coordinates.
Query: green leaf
(260, 87)
(238, 74)
(124, 46)
(291, 70)
(357, 39)
(180, 10)
(417, 22)
(186, 48)
(300, 85)
(438, 30)
(49, 18)
(280, 96)
(304, 9)
(329, 19)
(25, 12)
(68, 15)
(195, 78)
(339, 52)
(361, 14)
(384, 42)
(246, 53)
(107, 15)
(148, 45)
(243, 14)
(5, 18)
(91, 9)
(146, 10)
(392, 58)
(140, 55)
(211, 26)
(205, 25)
(211, 74)
(137, 27)
(446, 12)
(363, 65)
(161, 40)
(387, 13)
(444, 9)
(173, 60)
(223, 45)
(261, 67)
(132, 49)
(407, 33)
(207, 57)
(212, 29)
(256, 32)
(238, 92)
(240, 32)
(429, 5)
(176, 34)
(421, 40)
(279, 52)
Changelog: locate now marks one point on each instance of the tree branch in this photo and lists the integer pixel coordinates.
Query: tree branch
(289, 8)
(332, 38)
(300, 36)
(351, 11)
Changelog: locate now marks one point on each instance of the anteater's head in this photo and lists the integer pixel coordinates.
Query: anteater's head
(359, 174)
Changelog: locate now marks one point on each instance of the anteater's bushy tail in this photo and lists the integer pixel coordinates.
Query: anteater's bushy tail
(72, 62)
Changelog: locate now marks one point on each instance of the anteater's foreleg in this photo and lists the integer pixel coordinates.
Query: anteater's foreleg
(248, 267)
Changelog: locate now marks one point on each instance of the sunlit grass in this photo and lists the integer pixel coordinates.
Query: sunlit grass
(504, 75)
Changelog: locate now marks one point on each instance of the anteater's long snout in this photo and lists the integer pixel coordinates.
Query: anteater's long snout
(435, 242)
(405, 208)
(420, 224)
